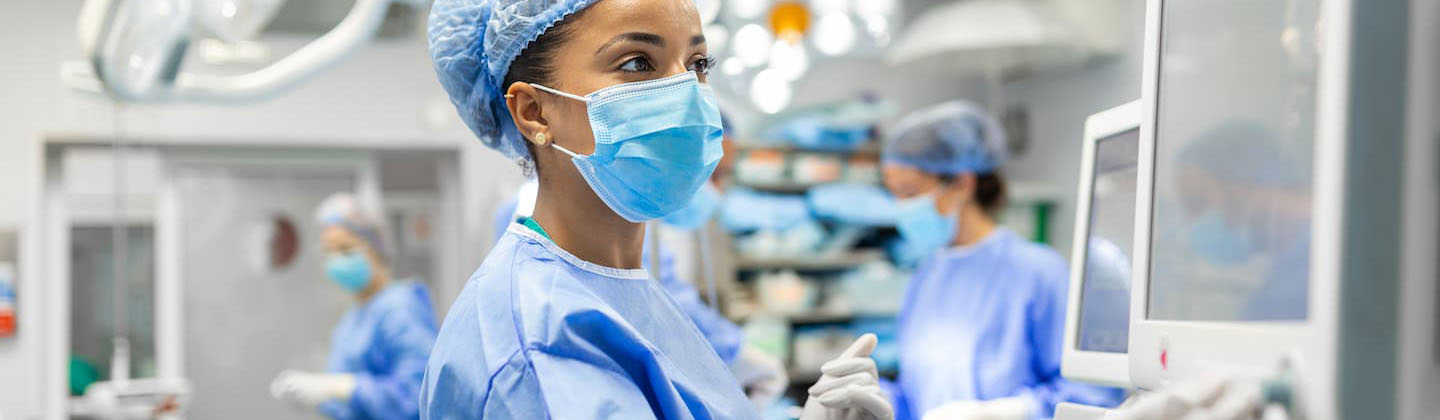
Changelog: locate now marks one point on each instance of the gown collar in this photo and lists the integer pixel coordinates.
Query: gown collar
(544, 241)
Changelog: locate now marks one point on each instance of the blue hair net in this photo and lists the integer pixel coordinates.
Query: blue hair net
(473, 42)
(344, 210)
(946, 139)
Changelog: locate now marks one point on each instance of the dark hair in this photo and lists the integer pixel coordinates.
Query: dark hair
(535, 64)
(990, 192)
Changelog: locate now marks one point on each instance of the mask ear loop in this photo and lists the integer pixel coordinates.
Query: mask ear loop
(558, 92)
(541, 139)
(946, 182)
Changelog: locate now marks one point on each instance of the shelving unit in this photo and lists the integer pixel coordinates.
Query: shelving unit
(1029, 214)
(818, 317)
(780, 187)
(813, 263)
(819, 267)
(872, 148)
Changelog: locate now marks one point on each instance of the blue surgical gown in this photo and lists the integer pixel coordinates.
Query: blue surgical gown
(726, 337)
(538, 333)
(986, 321)
(384, 342)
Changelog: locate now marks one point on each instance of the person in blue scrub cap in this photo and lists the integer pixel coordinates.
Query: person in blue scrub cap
(379, 348)
(606, 103)
(981, 326)
(1246, 198)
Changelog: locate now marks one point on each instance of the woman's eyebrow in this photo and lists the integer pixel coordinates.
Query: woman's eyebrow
(642, 37)
(697, 40)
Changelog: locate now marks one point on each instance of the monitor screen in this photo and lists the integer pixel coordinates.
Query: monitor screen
(1105, 285)
(1234, 140)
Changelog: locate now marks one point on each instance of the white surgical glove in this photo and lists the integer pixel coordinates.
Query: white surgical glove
(1211, 398)
(849, 387)
(310, 389)
(1013, 408)
(762, 376)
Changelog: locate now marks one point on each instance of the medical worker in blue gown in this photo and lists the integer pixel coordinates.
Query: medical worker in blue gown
(762, 375)
(981, 327)
(606, 103)
(379, 348)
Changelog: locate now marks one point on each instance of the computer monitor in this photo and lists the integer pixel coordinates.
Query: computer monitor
(1097, 325)
(1271, 212)
(1234, 222)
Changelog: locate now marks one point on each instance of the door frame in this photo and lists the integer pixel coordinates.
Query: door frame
(169, 227)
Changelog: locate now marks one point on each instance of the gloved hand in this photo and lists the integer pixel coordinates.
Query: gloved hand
(762, 376)
(1013, 408)
(1211, 398)
(849, 387)
(310, 389)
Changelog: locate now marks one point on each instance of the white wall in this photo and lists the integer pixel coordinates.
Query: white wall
(1058, 103)
(377, 98)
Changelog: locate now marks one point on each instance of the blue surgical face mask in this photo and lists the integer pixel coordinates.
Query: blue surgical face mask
(350, 270)
(697, 211)
(922, 225)
(656, 143)
(1219, 243)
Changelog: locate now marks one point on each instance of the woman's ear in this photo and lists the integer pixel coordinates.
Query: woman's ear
(523, 101)
(373, 255)
(960, 191)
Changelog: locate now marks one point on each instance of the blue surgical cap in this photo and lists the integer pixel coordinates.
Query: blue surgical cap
(344, 210)
(946, 139)
(473, 42)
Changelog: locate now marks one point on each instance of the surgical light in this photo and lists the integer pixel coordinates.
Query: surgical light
(752, 45)
(790, 20)
(134, 49)
(770, 92)
(824, 7)
(789, 59)
(732, 66)
(235, 20)
(834, 34)
(875, 8)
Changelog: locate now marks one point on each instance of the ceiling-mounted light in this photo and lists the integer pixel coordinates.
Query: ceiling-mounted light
(990, 35)
(877, 8)
(235, 20)
(141, 46)
(134, 49)
(824, 7)
(790, 20)
(752, 45)
(789, 59)
(834, 34)
(732, 66)
(878, 28)
(770, 92)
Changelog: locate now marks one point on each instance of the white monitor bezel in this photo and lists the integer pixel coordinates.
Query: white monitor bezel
(1194, 348)
(1095, 367)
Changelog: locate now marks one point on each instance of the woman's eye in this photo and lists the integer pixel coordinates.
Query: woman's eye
(703, 65)
(637, 64)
